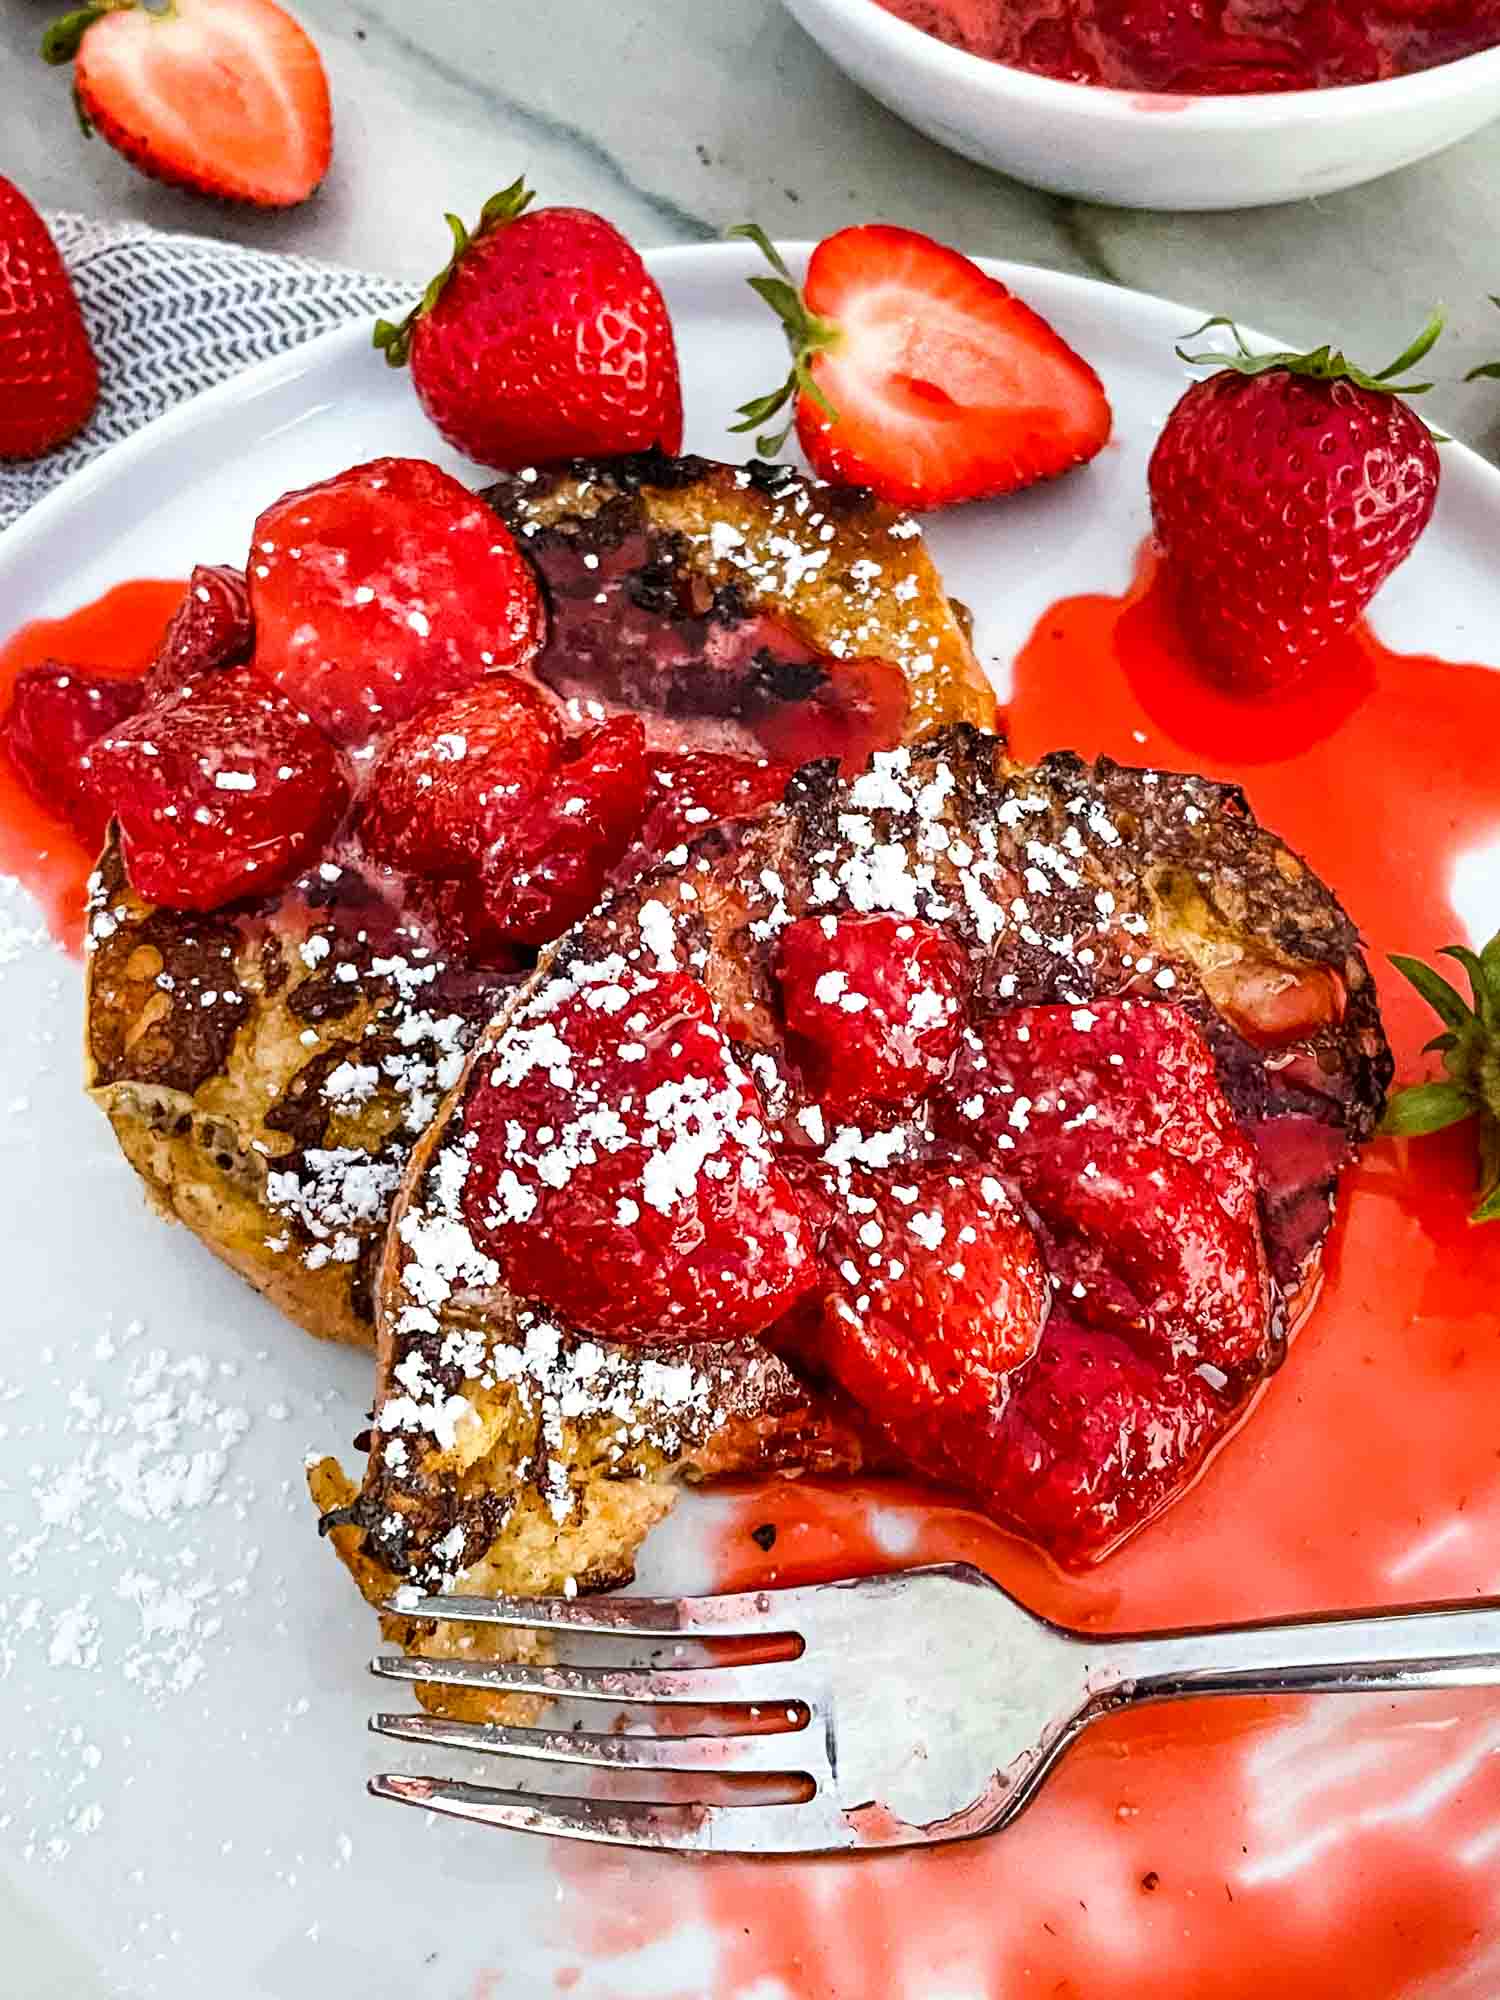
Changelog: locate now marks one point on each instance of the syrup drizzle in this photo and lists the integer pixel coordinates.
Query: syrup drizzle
(118, 634)
(1347, 1845)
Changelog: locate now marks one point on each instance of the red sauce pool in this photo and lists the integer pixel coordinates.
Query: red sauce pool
(116, 634)
(1215, 1850)
(1210, 47)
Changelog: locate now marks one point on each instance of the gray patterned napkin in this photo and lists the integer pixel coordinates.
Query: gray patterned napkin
(172, 315)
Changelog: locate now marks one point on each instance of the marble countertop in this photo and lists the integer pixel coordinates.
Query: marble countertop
(580, 94)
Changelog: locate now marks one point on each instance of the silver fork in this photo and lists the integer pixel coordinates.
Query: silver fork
(922, 1706)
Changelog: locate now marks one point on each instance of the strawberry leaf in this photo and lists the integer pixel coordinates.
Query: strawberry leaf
(1444, 1000)
(393, 338)
(60, 41)
(806, 335)
(1426, 1107)
(1321, 364)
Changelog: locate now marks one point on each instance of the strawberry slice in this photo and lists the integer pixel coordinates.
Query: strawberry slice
(224, 96)
(916, 374)
(689, 791)
(211, 628)
(620, 1171)
(56, 715)
(934, 1293)
(383, 588)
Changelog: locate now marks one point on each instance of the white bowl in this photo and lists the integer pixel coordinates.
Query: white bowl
(1136, 149)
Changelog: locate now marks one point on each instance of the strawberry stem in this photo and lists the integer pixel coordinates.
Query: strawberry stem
(806, 335)
(1470, 1047)
(1321, 364)
(393, 337)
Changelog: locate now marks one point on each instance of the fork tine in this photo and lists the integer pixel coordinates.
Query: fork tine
(767, 1685)
(746, 1614)
(770, 1829)
(784, 1750)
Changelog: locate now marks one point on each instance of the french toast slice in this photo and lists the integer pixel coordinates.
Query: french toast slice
(266, 1068)
(511, 1452)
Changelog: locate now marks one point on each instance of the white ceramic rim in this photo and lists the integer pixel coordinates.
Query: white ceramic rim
(1266, 111)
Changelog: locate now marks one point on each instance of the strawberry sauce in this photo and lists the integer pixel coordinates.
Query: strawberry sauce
(1333, 1845)
(117, 633)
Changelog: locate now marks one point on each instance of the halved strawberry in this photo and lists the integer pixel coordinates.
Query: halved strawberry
(224, 96)
(916, 374)
(383, 588)
(689, 791)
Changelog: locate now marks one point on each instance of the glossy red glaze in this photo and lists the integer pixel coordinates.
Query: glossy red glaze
(1210, 1851)
(117, 633)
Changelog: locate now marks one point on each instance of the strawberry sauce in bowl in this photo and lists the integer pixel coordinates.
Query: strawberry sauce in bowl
(1273, 102)
(1212, 47)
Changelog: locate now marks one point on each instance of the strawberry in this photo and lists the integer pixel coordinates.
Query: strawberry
(1285, 488)
(225, 792)
(874, 1006)
(227, 97)
(619, 1169)
(689, 791)
(448, 781)
(49, 379)
(56, 714)
(378, 590)
(917, 375)
(543, 337)
(211, 628)
(549, 866)
(933, 1292)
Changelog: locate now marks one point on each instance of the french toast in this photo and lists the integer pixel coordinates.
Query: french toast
(515, 1451)
(266, 1067)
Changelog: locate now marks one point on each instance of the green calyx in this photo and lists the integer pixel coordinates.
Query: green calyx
(806, 336)
(1323, 364)
(60, 41)
(393, 338)
(1470, 1046)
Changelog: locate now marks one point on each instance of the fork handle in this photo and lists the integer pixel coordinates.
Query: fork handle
(1421, 1647)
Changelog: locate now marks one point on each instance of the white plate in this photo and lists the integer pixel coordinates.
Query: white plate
(235, 1851)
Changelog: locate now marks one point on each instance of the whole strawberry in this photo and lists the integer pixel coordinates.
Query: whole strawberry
(1284, 490)
(544, 337)
(49, 380)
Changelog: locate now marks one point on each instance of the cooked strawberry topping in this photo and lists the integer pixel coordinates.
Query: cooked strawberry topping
(874, 1006)
(447, 783)
(688, 792)
(211, 628)
(620, 1170)
(1111, 1121)
(548, 867)
(56, 714)
(383, 588)
(223, 793)
(933, 1293)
